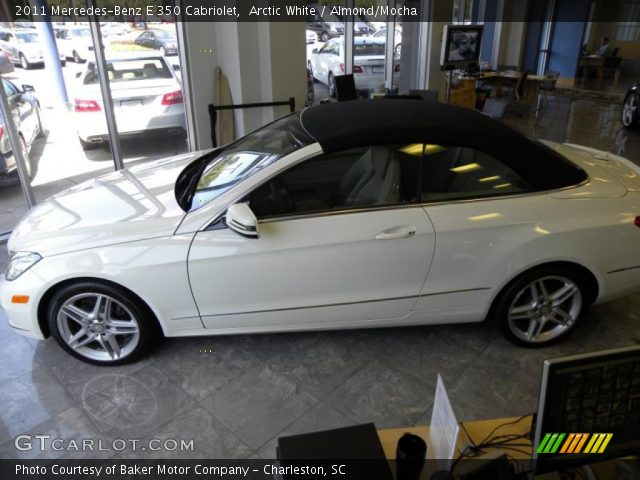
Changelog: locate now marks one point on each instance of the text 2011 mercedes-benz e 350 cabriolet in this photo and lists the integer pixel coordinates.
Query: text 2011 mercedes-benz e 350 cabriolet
(357, 214)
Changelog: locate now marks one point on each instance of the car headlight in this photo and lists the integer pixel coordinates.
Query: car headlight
(21, 262)
(333, 28)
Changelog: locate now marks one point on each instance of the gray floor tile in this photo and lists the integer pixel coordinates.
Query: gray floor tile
(258, 405)
(210, 439)
(200, 365)
(29, 400)
(134, 404)
(321, 417)
(425, 352)
(322, 361)
(69, 431)
(75, 374)
(17, 356)
(379, 394)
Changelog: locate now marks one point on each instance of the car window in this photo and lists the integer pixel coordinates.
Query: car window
(9, 88)
(361, 49)
(130, 70)
(248, 155)
(326, 48)
(81, 33)
(365, 177)
(4, 37)
(452, 172)
(27, 37)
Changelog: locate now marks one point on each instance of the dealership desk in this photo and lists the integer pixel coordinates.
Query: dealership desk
(478, 431)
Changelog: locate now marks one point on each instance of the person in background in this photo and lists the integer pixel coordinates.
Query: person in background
(603, 49)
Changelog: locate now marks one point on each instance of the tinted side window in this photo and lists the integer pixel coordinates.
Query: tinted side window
(461, 173)
(358, 178)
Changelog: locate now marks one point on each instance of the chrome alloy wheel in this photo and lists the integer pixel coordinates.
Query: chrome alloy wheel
(545, 309)
(98, 327)
(630, 111)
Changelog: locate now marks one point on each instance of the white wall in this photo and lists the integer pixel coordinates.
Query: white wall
(263, 62)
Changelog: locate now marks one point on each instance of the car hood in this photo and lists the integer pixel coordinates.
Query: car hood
(124, 206)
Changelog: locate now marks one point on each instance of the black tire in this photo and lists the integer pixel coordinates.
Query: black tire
(324, 36)
(122, 301)
(331, 85)
(76, 57)
(24, 63)
(630, 111)
(398, 49)
(63, 63)
(315, 80)
(541, 312)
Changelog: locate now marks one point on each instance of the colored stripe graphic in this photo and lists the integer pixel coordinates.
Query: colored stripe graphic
(574, 443)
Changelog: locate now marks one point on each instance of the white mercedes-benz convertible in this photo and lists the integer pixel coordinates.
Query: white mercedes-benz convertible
(357, 214)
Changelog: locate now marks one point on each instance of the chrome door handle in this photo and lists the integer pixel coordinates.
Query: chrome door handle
(405, 231)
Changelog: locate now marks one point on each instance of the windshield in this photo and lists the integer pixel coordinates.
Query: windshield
(27, 37)
(81, 32)
(243, 158)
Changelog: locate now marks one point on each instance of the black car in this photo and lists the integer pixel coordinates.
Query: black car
(159, 40)
(326, 27)
(630, 107)
(26, 114)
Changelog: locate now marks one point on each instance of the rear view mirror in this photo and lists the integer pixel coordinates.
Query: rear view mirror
(242, 220)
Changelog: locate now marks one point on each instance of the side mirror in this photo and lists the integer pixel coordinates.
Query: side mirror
(78, 74)
(176, 67)
(315, 50)
(242, 220)
(28, 88)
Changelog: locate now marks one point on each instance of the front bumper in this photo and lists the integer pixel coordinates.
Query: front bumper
(23, 317)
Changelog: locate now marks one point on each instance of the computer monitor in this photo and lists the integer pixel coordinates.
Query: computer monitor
(460, 46)
(589, 409)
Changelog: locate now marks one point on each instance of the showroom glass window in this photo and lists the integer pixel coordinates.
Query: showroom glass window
(243, 158)
(452, 173)
(365, 177)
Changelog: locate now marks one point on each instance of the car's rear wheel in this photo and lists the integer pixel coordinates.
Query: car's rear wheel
(630, 111)
(24, 63)
(331, 83)
(398, 49)
(324, 36)
(541, 306)
(100, 323)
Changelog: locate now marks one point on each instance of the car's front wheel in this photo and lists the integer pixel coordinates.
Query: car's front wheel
(541, 306)
(324, 36)
(100, 323)
(630, 111)
(24, 63)
(76, 57)
(331, 84)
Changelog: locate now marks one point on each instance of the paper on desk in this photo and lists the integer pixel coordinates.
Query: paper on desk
(444, 427)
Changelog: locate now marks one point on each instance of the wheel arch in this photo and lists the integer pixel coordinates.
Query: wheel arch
(46, 298)
(591, 279)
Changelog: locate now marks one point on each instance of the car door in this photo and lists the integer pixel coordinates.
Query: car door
(22, 110)
(481, 211)
(343, 242)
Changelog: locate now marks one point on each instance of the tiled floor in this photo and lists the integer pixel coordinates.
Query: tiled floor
(245, 391)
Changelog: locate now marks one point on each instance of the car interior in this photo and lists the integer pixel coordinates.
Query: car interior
(384, 175)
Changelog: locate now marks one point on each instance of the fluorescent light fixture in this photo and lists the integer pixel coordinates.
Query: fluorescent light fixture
(489, 179)
(502, 185)
(470, 167)
(486, 216)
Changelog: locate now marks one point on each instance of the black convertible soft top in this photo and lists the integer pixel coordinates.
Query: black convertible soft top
(344, 125)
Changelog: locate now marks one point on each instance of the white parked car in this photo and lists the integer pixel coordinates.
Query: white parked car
(312, 37)
(23, 47)
(397, 39)
(348, 215)
(146, 94)
(115, 29)
(327, 63)
(75, 42)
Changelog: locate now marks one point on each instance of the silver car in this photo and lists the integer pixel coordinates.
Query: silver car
(147, 98)
(23, 47)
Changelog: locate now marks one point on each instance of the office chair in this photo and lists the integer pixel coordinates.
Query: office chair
(427, 95)
(519, 99)
(345, 88)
